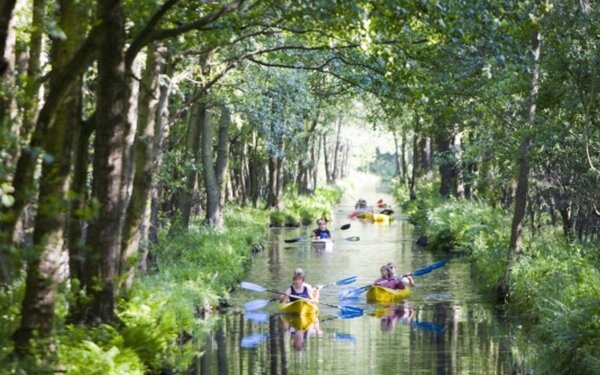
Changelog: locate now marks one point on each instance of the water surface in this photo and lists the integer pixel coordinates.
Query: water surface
(444, 327)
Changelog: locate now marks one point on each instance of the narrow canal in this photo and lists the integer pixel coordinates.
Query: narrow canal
(444, 327)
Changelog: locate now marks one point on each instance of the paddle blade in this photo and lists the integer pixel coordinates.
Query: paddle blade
(345, 226)
(294, 240)
(352, 238)
(252, 340)
(429, 268)
(347, 312)
(353, 293)
(251, 286)
(256, 304)
(256, 316)
(346, 281)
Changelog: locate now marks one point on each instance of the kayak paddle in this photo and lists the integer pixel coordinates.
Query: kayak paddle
(260, 303)
(302, 239)
(355, 293)
(258, 288)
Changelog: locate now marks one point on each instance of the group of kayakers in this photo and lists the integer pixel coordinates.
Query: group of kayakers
(361, 208)
(299, 289)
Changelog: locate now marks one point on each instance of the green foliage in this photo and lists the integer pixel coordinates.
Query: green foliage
(10, 299)
(305, 209)
(417, 209)
(553, 283)
(99, 350)
(570, 321)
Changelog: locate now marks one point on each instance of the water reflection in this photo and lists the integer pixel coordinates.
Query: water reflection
(444, 327)
(389, 316)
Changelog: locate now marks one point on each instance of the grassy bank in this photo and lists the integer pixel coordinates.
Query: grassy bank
(167, 314)
(555, 285)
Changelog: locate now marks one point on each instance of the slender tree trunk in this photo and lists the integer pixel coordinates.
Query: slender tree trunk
(193, 155)
(458, 169)
(37, 311)
(32, 87)
(143, 170)
(336, 152)
(151, 220)
(315, 155)
(105, 230)
(416, 162)
(76, 222)
(397, 165)
(8, 41)
(446, 165)
(222, 166)
(6, 9)
(405, 177)
(211, 183)
(254, 170)
(135, 97)
(514, 248)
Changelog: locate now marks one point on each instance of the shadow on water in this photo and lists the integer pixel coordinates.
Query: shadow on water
(444, 327)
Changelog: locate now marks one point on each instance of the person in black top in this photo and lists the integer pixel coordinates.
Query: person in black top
(321, 232)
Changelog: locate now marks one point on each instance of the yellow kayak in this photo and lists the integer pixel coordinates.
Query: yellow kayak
(365, 215)
(300, 322)
(385, 295)
(381, 218)
(299, 307)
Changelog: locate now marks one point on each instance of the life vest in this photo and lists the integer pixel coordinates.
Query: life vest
(303, 294)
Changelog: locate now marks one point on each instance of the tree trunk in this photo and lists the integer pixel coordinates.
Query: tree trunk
(151, 220)
(43, 276)
(211, 183)
(458, 169)
(403, 160)
(254, 170)
(514, 248)
(222, 167)
(23, 179)
(32, 86)
(446, 164)
(315, 155)
(76, 222)
(426, 157)
(397, 164)
(192, 155)
(105, 230)
(416, 162)
(143, 170)
(6, 9)
(336, 153)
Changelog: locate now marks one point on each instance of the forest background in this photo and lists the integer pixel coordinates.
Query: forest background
(125, 125)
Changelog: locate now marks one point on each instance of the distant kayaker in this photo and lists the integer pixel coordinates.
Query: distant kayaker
(321, 233)
(300, 289)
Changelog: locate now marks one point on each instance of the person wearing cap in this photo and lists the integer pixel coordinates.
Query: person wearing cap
(300, 289)
(321, 233)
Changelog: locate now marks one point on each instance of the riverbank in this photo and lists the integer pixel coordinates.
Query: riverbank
(166, 315)
(555, 284)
